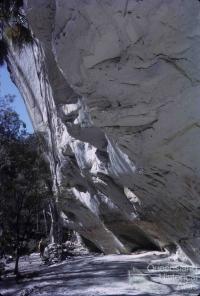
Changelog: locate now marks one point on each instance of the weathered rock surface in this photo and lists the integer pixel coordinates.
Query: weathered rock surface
(114, 86)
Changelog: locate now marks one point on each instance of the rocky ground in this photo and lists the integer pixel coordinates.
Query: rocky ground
(149, 273)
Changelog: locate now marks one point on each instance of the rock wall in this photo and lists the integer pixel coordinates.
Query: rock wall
(114, 87)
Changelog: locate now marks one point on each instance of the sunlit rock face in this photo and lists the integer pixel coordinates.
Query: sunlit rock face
(114, 86)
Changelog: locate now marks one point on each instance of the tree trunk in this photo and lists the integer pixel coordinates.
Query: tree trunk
(45, 223)
(56, 227)
(37, 223)
(16, 271)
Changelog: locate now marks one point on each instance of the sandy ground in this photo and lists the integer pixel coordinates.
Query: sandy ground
(149, 273)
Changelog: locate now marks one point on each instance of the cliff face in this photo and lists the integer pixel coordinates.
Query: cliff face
(114, 87)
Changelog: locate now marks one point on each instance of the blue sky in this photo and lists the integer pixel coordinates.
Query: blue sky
(8, 87)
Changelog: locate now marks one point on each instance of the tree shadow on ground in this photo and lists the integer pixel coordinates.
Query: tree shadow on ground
(88, 276)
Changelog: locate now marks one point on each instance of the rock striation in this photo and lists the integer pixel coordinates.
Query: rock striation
(114, 87)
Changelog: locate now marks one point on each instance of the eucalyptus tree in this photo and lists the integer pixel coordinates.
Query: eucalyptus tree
(25, 185)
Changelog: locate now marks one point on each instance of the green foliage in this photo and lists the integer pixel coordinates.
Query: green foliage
(25, 183)
(14, 26)
(10, 9)
(21, 35)
(11, 127)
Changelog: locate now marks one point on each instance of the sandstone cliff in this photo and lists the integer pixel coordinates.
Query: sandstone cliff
(114, 87)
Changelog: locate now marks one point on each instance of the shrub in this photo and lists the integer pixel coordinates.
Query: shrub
(14, 26)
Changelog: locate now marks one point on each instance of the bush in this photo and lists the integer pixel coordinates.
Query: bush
(14, 26)
(19, 35)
